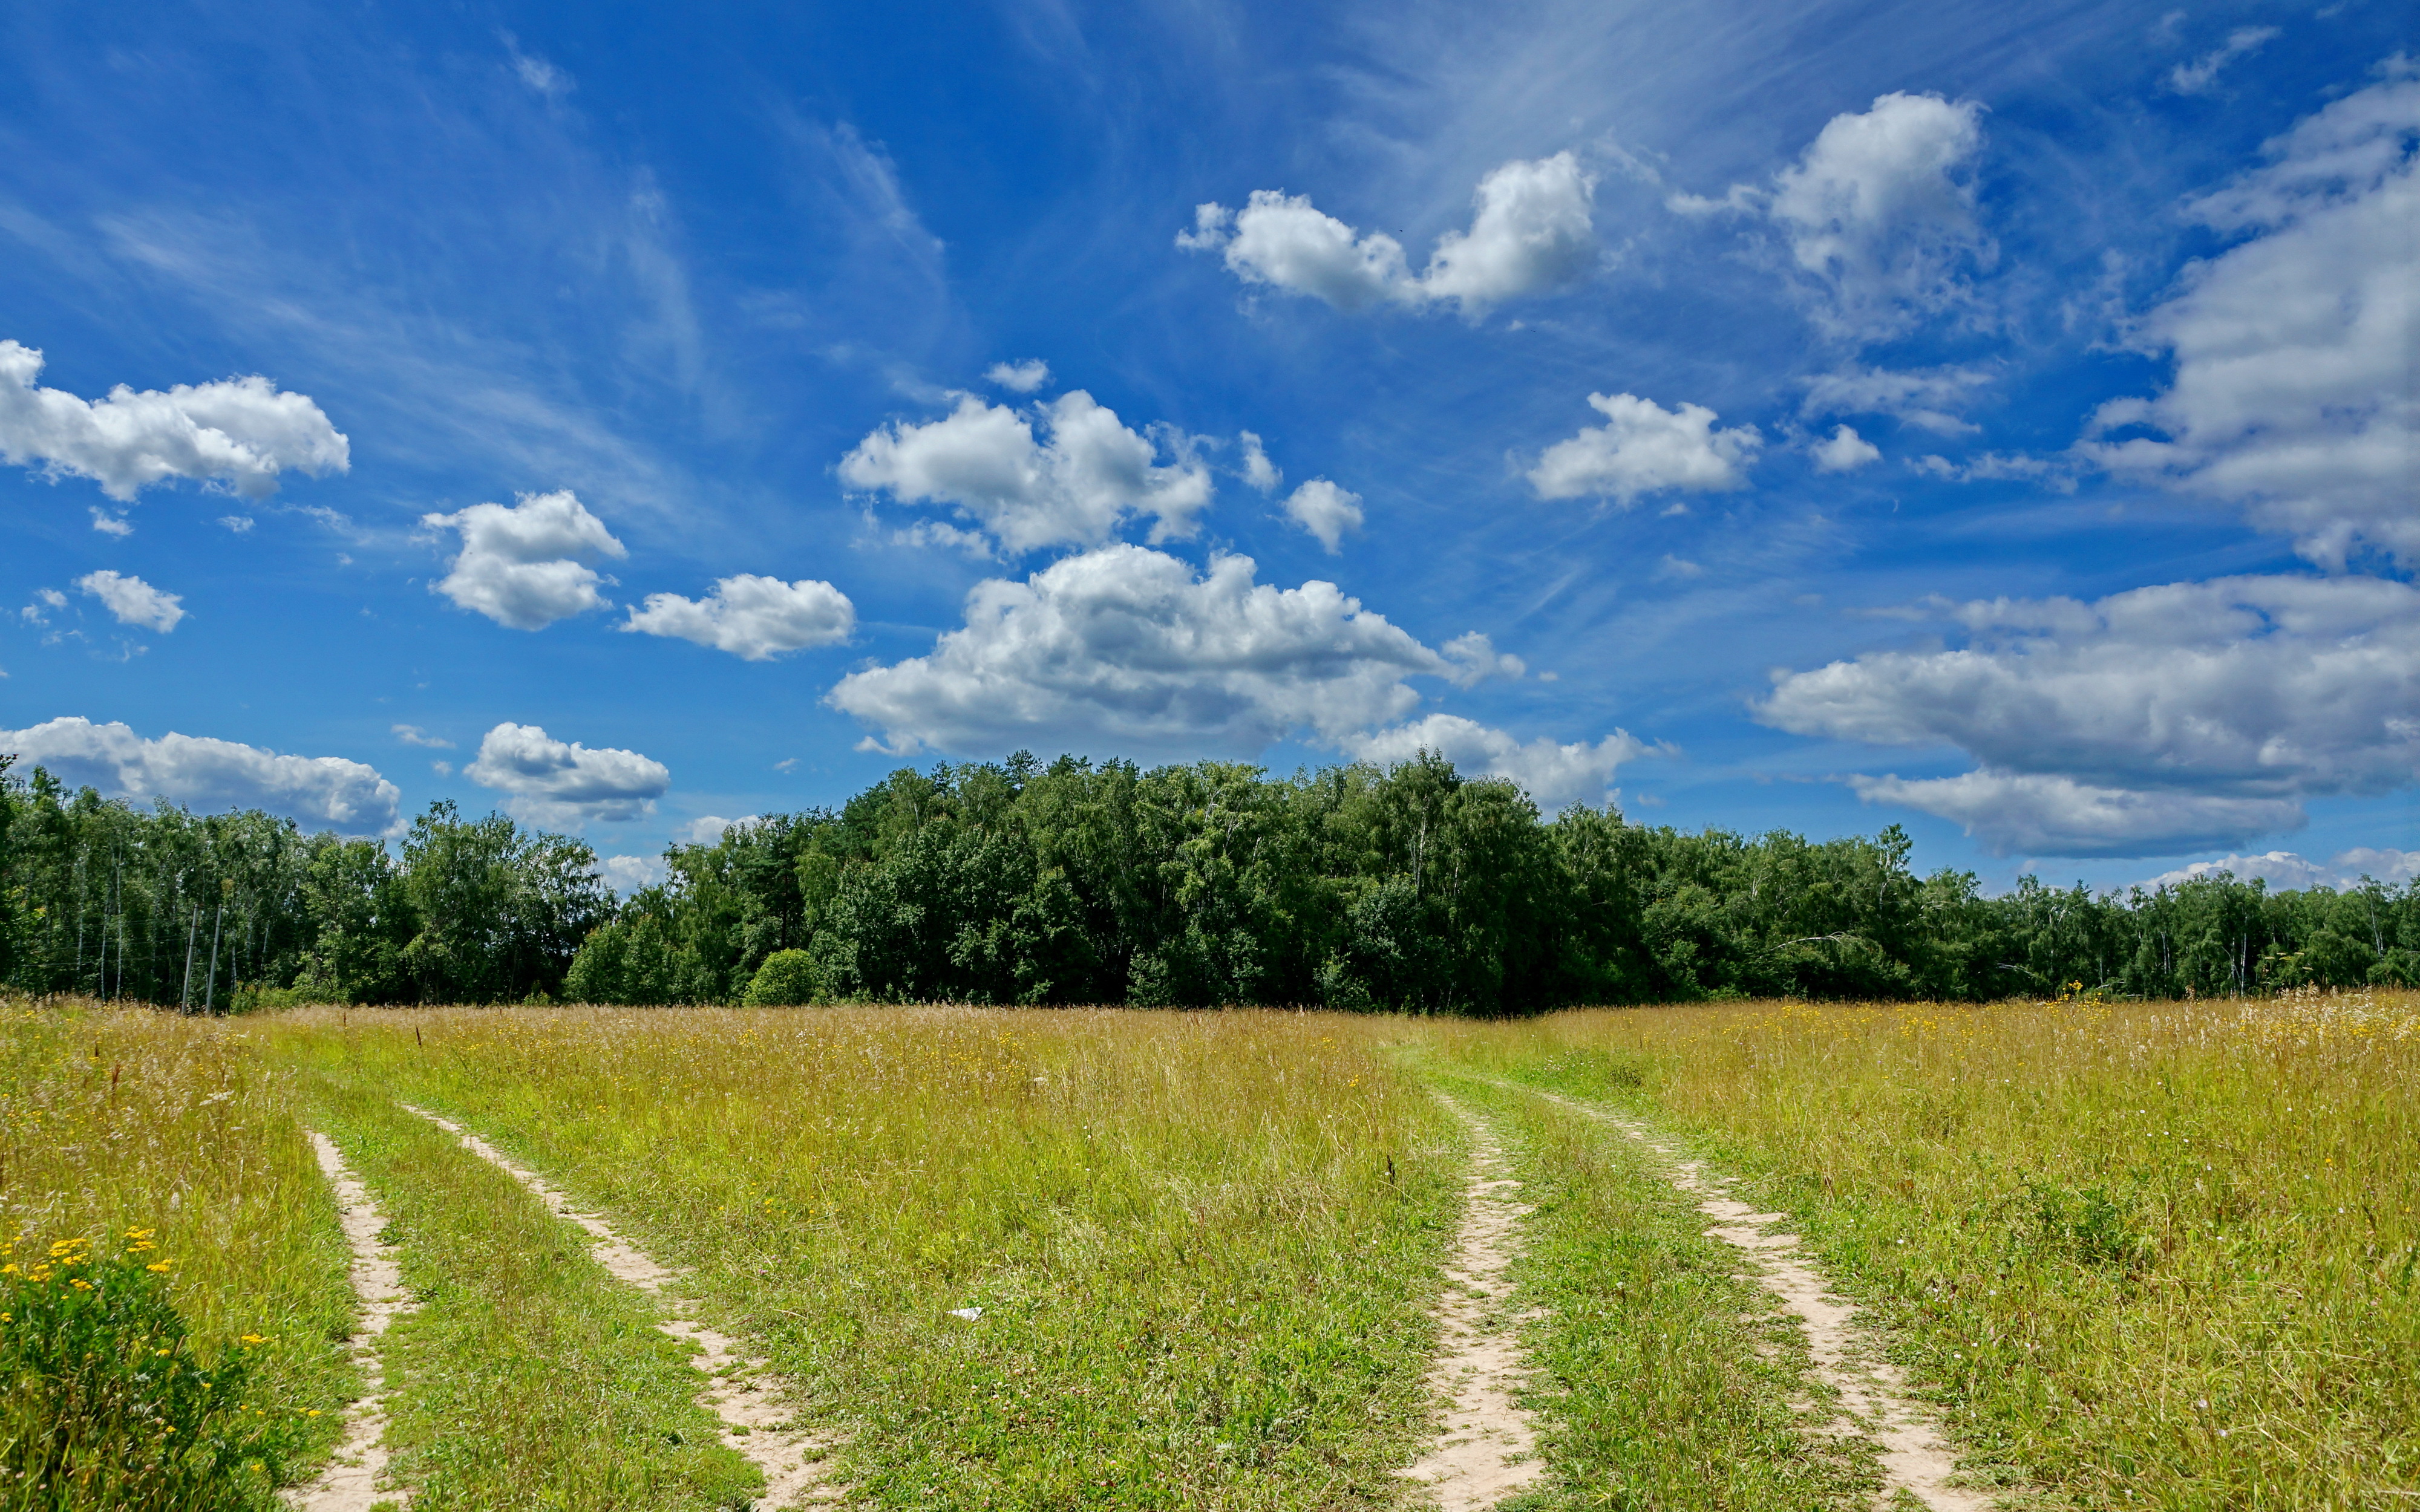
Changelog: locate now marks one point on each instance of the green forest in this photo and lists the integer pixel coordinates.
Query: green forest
(1414, 889)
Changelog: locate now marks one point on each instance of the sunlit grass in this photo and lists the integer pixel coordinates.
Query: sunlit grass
(2154, 1254)
(116, 1120)
(1201, 1243)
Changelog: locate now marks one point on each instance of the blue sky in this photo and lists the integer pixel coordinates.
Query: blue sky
(633, 420)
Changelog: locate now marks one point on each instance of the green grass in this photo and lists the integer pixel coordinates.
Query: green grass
(528, 1377)
(114, 1121)
(2154, 1255)
(1666, 1381)
(1202, 1282)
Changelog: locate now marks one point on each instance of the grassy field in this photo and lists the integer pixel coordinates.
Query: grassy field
(2156, 1256)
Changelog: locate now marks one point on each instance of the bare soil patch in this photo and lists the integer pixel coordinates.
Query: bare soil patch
(350, 1482)
(1488, 1449)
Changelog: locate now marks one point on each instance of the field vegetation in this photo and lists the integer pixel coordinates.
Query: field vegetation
(2137, 1255)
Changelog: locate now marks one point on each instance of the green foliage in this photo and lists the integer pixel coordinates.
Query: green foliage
(103, 1403)
(1411, 888)
(786, 977)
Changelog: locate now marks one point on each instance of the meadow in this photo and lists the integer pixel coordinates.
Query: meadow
(2137, 1255)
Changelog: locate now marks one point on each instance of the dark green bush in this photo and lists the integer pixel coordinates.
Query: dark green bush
(786, 977)
(104, 1402)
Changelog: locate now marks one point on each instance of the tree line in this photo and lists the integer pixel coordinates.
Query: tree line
(1412, 889)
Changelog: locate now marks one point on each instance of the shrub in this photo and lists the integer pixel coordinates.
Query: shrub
(786, 977)
(102, 1401)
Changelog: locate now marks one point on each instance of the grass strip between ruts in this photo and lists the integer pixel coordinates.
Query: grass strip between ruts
(1664, 1379)
(528, 1377)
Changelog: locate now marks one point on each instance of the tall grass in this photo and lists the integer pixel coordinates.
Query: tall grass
(1200, 1244)
(2155, 1255)
(173, 1140)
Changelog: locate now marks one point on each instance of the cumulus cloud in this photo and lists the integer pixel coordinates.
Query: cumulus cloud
(238, 434)
(46, 601)
(1845, 451)
(1259, 471)
(1643, 448)
(1555, 775)
(1326, 510)
(133, 601)
(2287, 870)
(108, 524)
(1019, 378)
(527, 565)
(1530, 232)
(1128, 648)
(412, 735)
(753, 618)
(2293, 395)
(2195, 78)
(208, 775)
(2152, 721)
(1879, 210)
(561, 785)
(1073, 487)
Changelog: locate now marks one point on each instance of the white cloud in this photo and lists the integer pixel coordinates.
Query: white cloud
(1019, 378)
(1925, 397)
(108, 524)
(238, 433)
(133, 601)
(412, 735)
(240, 524)
(1127, 648)
(2195, 77)
(1555, 775)
(2060, 475)
(1474, 659)
(1530, 232)
(2293, 395)
(208, 776)
(2287, 870)
(2018, 813)
(527, 566)
(1845, 451)
(1326, 510)
(753, 618)
(555, 784)
(626, 874)
(537, 72)
(1678, 569)
(710, 828)
(1879, 212)
(2146, 723)
(1643, 448)
(44, 598)
(1259, 471)
(1073, 488)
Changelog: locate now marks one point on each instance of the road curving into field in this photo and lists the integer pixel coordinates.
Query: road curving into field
(1914, 1453)
(1488, 1449)
(350, 1482)
(739, 1390)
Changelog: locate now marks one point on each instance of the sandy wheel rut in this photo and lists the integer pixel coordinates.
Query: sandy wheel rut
(1915, 1456)
(1489, 1448)
(738, 1389)
(350, 1482)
